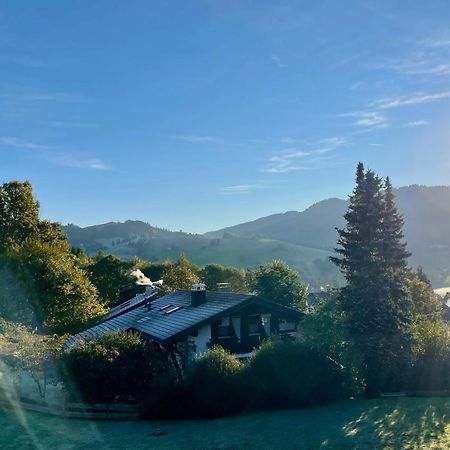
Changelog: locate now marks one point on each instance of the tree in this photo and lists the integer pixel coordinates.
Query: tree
(373, 259)
(181, 275)
(23, 350)
(212, 274)
(35, 256)
(59, 292)
(110, 275)
(277, 282)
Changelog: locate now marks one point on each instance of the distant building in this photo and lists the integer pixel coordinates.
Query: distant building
(187, 323)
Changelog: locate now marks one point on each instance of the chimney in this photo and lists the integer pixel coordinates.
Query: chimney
(198, 294)
(223, 287)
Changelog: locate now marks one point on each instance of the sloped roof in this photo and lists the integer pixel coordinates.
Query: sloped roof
(167, 318)
(132, 303)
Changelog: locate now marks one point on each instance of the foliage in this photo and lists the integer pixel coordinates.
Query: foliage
(110, 275)
(325, 331)
(425, 302)
(373, 259)
(291, 374)
(35, 256)
(116, 366)
(212, 274)
(22, 350)
(430, 369)
(181, 275)
(216, 383)
(277, 282)
(59, 292)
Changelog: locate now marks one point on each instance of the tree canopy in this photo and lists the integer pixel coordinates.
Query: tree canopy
(277, 282)
(54, 292)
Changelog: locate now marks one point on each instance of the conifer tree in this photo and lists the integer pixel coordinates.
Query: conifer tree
(373, 259)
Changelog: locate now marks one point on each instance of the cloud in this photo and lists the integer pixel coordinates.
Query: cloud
(55, 96)
(416, 123)
(32, 97)
(288, 140)
(240, 188)
(278, 62)
(293, 159)
(94, 164)
(21, 143)
(364, 119)
(416, 66)
(29, 62)
(194, 139)
(416, 99)
(62, 124)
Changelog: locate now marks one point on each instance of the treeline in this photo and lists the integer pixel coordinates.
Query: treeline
(45, 283)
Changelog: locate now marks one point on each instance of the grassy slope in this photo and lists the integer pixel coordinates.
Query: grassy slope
(405, 423)
(238, 252)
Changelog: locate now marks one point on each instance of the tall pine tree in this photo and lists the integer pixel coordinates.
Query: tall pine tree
(373, 259)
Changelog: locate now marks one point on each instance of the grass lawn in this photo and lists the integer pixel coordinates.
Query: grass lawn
(392, 423)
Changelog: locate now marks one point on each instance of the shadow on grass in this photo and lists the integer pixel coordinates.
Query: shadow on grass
(400, 423)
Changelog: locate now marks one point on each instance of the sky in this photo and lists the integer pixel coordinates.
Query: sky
(196, 115)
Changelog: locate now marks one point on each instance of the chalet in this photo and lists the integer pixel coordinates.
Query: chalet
(187, 323)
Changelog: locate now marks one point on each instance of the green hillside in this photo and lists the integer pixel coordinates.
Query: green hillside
(154, 244)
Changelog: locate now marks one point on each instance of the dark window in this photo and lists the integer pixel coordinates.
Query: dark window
(254, 324)
(224, 328)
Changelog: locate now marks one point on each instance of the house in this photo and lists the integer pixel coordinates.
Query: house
(187, 323)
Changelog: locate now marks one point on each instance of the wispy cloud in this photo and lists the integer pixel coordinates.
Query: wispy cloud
(35, 96)
(194, 139)
(63, 124)
(367, 119)
(293, 159)
(288, 140)
(415, 99)
(416, 123)
(55, 97)
(278, 62)
(21, 143)
(416, 66)
(437, 40)
(240, 188)
(29, 62)
(94, 164)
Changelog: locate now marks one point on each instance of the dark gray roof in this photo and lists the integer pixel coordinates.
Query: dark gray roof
(170, 316)
(139, 299)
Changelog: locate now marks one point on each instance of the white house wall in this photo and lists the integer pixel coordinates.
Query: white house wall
(200, 342)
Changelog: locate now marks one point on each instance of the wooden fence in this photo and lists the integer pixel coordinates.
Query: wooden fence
(98, 411)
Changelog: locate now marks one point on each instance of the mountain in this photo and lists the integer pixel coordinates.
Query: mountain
(313, 227)
(426, 211)
(135, 238)
(303, 239)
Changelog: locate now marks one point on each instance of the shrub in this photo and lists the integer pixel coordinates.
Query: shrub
(216, 383)
(117, 366)
(290, 374)
(430, 368)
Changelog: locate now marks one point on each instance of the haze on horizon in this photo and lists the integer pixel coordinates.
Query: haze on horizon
(200, 115)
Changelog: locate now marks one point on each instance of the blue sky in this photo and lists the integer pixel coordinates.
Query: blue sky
(201, 114)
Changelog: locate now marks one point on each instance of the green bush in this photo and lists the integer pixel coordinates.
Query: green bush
(216, 383)
(289, 374)
(430, 367)
(115, 367)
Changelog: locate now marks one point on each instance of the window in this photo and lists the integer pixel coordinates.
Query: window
(224, 328)
(165, 307)
(286, 326)
(254, 324)
(170, 311)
